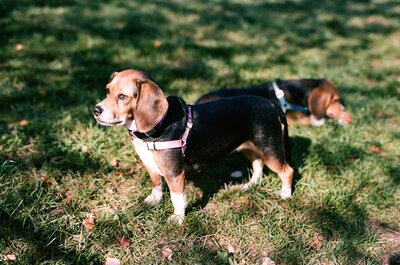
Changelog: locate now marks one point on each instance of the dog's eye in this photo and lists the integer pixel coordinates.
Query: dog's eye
(122, 96)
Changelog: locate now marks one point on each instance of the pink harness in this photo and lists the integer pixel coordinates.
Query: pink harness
(181, 143)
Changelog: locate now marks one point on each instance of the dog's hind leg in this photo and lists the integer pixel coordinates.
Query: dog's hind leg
(257, 164)
(285, 173)
(157, 192)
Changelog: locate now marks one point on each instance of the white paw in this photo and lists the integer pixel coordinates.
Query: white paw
(155, 196)
(250, 184)
(152, 199)
(246, 186)
(176, 219)
(285, 194)
(315, 122)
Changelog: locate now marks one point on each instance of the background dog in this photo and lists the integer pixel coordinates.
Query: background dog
(172, 137)
(306, 101)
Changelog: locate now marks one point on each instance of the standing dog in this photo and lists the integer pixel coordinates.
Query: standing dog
(171, 137)
(305, 101)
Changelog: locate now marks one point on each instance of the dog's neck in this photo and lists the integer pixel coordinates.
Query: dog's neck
(285, 105)
(133, 130)
(175, 112)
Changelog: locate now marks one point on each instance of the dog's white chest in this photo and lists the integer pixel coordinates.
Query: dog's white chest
(146, 156)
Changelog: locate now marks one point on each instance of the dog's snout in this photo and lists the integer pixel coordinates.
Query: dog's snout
(97, 110)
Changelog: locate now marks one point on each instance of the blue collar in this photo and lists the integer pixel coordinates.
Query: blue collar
(285, 105)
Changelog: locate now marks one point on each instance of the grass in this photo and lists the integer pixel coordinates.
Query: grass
(55, 168)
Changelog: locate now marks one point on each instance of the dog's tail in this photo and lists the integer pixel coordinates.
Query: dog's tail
(285, 131)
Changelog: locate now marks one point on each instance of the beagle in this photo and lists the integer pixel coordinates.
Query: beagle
(172, 137)
(305, 101)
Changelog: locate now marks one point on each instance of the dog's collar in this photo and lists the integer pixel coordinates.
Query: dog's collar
(285, 105)
(131, 125)
(157, 130)
(162, 145)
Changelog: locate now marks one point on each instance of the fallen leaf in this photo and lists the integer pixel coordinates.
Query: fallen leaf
(123, 242)
(376, 63)
(56, 211)
(46, 181)
(138, 229)
(19, 47)
(69, 197)
(156, 43)
(84, 149)
(89, 223)
(113, 162)
(23, 122)
(267, 261)
(10, 257)
(376, 150)
(315, 242)
(112, 261)
(55, 158)
(232, 248)
(122, 189)
(167, 252)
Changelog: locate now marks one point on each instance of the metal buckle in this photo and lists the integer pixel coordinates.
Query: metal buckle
(149, 147)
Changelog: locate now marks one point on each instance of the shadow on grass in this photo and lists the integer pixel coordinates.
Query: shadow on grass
(394, 259)
(334, 162)
(45, 241)
(394, 173)
(28, 216)
(343, 224)
(299, 151)
(217, 176)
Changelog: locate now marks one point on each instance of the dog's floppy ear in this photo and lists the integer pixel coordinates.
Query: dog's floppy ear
(151, 105)
(111, 78)
(318, 101)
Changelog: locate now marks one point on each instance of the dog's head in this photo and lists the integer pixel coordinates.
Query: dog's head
(323, 101)
(131, 96)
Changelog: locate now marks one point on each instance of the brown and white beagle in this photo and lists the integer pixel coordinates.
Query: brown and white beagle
(305, 101)
(172, 137)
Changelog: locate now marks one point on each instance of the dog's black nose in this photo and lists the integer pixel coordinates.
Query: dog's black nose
(97, 110)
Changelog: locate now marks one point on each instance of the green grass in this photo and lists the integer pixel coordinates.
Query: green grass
(55, 166)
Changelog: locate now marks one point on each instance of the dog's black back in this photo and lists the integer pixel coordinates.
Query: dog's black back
(233, 121)
(220, 126)
(296, 89)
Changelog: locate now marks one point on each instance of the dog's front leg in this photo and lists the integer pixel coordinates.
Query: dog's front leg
(176, 185)
(156, 193)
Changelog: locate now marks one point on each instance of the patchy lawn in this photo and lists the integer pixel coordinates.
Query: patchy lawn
(71, 192)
